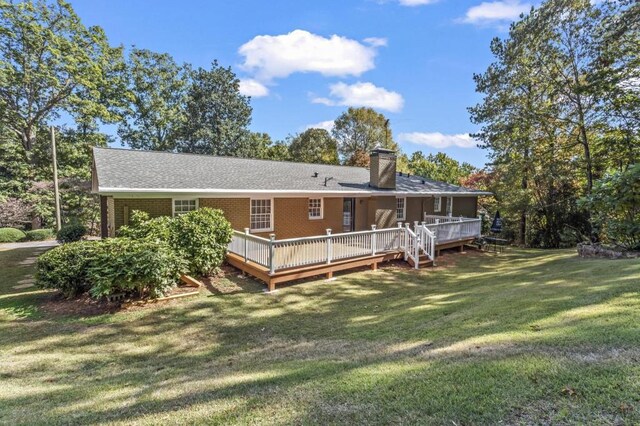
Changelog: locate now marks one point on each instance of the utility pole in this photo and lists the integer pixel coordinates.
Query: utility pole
(55, 179)
(386, 133)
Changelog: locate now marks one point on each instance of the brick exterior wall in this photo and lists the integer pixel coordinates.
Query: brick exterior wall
(291, 216)
(362, 214)
(154, 206)
(465, 206)
(236, 210)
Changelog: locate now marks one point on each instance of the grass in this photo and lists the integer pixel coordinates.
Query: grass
(526, 337)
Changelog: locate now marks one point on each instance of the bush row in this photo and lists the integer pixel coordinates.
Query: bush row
(146, 258)
(67, 234)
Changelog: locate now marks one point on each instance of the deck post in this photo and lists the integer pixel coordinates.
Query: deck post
(272, 255)
(406, 241)
(246, 244)
(329, 246)
(415, 226)
(400, 230)
(373, 240)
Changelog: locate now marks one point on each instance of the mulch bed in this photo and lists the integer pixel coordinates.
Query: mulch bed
(84, 305)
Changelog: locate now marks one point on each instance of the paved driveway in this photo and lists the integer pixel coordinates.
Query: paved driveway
(28, 244)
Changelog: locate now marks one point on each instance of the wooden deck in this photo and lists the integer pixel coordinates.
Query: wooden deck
(328, 269)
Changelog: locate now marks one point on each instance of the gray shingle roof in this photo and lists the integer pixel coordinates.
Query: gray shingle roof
(125, 170)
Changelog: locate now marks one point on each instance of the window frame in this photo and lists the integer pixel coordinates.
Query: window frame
(173, 204)
(404, 209)
(437, 204)
(321, 209)
(271, 208)
(449, 207)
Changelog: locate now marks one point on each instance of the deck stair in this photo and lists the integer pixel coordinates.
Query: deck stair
(423, 262)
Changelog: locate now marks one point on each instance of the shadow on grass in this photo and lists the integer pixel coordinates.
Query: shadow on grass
(391, 346)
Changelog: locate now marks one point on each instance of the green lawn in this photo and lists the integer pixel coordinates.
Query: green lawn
(526, 337)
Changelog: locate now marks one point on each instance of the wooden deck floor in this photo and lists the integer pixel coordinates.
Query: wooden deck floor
(327, 269)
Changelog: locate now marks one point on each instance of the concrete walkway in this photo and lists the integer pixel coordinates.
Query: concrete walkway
(28, 244)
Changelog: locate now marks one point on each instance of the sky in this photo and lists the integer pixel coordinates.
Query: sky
(305, 62)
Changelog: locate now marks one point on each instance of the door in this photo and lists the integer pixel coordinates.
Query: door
(348, 214)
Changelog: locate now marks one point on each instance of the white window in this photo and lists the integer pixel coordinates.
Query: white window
(315, 208)
(182, 206)
(401, 208)
(437, 204)
(261, 215)
(449, 205)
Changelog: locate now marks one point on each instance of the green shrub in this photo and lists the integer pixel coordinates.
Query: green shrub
(72, 232)
(614, 204)
(122, 265)
(201, 237)
(11, 235)
(140, 226)
(65, 267)
(40, 234)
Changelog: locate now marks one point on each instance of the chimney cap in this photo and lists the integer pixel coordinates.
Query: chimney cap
(378, 150)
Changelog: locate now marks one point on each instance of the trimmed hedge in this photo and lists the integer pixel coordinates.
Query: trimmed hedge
(64, 268)
(40, 234)
(11, 235)
(121, 265)
(70, 233)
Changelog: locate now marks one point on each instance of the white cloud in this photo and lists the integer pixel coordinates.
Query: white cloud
(496, 12)
(439, 140)
(326, 125)
(279, 56)
(412, 3)
(253, 88)
(362, 95)
(376, 41)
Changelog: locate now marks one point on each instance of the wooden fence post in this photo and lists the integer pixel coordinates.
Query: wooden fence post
(329, 245)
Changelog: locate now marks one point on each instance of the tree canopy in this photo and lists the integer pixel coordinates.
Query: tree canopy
(51, 63)
(360, 130)
(559, 110)
(314, 146)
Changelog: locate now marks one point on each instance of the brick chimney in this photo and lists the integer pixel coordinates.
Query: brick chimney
(382, 168)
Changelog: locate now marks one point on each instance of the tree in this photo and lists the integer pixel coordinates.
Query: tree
(217, 115)
(439, 167)
(558, 111)
(155, 116)
(314, 146)
(615, 203)
(360, 130)
(51, 63)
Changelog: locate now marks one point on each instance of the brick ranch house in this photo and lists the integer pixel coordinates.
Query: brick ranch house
(261, 198)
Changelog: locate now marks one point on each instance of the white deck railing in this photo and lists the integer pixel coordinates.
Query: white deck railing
(449, 228)
(298, 252)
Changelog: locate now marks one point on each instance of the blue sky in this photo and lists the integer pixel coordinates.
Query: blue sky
(305, 62)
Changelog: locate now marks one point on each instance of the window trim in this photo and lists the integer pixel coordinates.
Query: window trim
(437, 202)
(404, 209)
(321, 209)
(449, 207)
(272, 205)
(173, 203)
